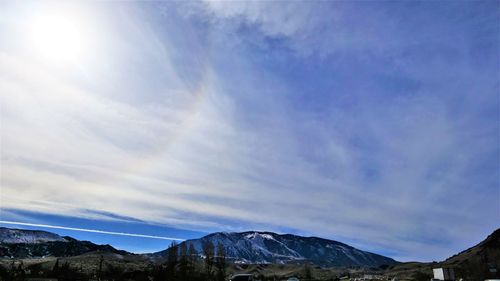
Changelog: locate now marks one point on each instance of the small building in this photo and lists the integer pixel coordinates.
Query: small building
(446, 274)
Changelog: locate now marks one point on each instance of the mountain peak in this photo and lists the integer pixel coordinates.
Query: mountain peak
(11, 236)
(23, 243)
(268, 247)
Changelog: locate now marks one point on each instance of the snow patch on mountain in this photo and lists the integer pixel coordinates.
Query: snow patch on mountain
(15, 236)
(268, 247)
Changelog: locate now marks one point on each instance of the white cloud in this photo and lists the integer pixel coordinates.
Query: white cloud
(221, 145)
(321, 28)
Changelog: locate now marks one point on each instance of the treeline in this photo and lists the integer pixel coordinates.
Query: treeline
(17, 271)
(183, 263)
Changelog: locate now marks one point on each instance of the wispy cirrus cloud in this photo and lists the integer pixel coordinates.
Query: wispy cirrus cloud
(329, 119)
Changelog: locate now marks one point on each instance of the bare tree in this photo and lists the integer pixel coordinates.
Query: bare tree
(220, 262)
(99, 268)
(173, 256)
(192, 258)
(183, 262)
(208, 252)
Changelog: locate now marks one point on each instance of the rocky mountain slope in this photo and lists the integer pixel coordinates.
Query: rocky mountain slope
(487, 251)
(268, 247)
(11, 236)
(20, 243)
(253, 252)
(479, 262)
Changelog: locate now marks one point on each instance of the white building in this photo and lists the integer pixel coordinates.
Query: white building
(447, 274)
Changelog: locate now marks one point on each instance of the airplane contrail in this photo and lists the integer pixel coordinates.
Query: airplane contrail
(91, 230)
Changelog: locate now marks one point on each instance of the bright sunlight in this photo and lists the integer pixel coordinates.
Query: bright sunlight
(57, 37)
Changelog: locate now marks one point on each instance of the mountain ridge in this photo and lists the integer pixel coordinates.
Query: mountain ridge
(475, 261)
(268, 247)
(13, 236)
(24, 243)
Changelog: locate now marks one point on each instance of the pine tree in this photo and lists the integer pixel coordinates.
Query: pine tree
(20, 271)
(56, 269)
(307, 272)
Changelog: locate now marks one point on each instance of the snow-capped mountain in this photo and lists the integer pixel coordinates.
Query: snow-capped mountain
(21, 243)
(268, 247)
(243, 247)
(12, 236)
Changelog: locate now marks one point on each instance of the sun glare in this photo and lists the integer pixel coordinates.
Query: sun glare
(57, 37)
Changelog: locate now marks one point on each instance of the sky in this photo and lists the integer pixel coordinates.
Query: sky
(374, 123)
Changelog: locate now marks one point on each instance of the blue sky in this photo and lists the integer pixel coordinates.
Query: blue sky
(375, 123)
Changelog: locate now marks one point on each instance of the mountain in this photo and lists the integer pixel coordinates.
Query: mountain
(487, 251)
(20, 243)
(479, 262)
(252, 252)
(268, 247)
(13, 236)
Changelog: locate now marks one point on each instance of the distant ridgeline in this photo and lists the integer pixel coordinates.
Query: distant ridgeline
(267, 248)
(20, 243)
(50, 255)
(245, 247)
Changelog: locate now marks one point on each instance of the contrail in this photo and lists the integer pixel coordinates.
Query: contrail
(91, 230)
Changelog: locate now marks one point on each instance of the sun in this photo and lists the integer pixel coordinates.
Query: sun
(57, 37)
